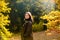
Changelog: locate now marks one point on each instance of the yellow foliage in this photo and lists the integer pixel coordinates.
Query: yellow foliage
(3, 20)
(3, 37)
(53, 19)
(3, 7)
(4, 33)
(58, 3)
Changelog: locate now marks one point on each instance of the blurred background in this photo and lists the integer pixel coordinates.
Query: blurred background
(45, 14)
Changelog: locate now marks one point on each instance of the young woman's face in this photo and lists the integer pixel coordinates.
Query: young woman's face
(27, 16)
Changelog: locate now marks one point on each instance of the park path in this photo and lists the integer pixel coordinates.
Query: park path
(41, 36)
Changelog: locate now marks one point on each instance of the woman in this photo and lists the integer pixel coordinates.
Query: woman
(27, 27)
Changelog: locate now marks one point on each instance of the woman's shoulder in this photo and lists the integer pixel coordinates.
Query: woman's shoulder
(28, 22)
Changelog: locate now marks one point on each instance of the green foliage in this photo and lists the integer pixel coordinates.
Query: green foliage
(36, 7)
(37, 27)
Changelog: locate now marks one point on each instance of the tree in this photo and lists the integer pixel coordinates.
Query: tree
(58, 3)
(36, 7)
(4, 10)
(53, 19)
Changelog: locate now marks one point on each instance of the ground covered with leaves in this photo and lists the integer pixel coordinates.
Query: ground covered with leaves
(43, 35)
